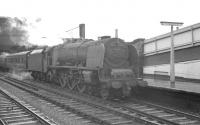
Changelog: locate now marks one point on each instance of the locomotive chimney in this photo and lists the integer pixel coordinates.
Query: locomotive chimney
(116, 33)
(82, 31)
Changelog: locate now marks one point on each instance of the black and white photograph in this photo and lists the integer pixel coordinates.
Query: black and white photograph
(99, 62)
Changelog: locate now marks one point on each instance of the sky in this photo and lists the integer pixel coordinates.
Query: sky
(133, 18)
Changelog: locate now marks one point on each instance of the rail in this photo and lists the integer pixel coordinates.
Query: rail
(16, 111)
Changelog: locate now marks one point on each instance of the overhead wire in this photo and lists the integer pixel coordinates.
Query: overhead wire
(71, 30)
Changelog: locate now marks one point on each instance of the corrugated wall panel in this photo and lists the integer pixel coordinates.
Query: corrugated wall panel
(192, 53)
(186, 69)
(183, 38)
(163, 43)
(150, 47)
(196, 34)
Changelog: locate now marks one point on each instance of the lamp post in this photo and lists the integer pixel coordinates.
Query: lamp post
(172, 67)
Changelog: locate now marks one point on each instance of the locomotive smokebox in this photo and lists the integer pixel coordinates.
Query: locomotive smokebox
(82, 31)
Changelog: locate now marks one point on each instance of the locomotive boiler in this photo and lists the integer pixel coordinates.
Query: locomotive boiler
(106, 67)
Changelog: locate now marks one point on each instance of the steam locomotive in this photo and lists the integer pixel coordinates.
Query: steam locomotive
(106, 67)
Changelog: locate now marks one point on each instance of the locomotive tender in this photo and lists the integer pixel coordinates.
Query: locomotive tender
(106, 67)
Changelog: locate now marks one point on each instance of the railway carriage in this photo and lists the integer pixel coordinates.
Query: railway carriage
(17, 61)
(3, 65)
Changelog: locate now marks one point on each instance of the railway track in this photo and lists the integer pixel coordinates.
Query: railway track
(151, 112)
(166, 114)
(16, 112)
(93, 113)
(107, 112)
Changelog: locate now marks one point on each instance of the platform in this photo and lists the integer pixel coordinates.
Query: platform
(178, 86)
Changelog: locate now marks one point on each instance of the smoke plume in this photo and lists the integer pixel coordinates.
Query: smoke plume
(13, 32)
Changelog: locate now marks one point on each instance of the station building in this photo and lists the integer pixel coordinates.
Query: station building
(156, 54)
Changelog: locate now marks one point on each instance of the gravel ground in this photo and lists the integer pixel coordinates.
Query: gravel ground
(58, 115)
(55, 113)
(62, 90)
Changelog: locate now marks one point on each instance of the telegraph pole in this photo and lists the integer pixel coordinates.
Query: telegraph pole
(172, 67)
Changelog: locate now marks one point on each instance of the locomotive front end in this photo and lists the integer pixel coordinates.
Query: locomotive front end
(123, 80)
(118, 74)
(117, 82)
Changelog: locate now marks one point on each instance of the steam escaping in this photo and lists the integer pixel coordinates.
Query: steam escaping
(38, 20)
(22, 75)
(4, 54)
(19, 73)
